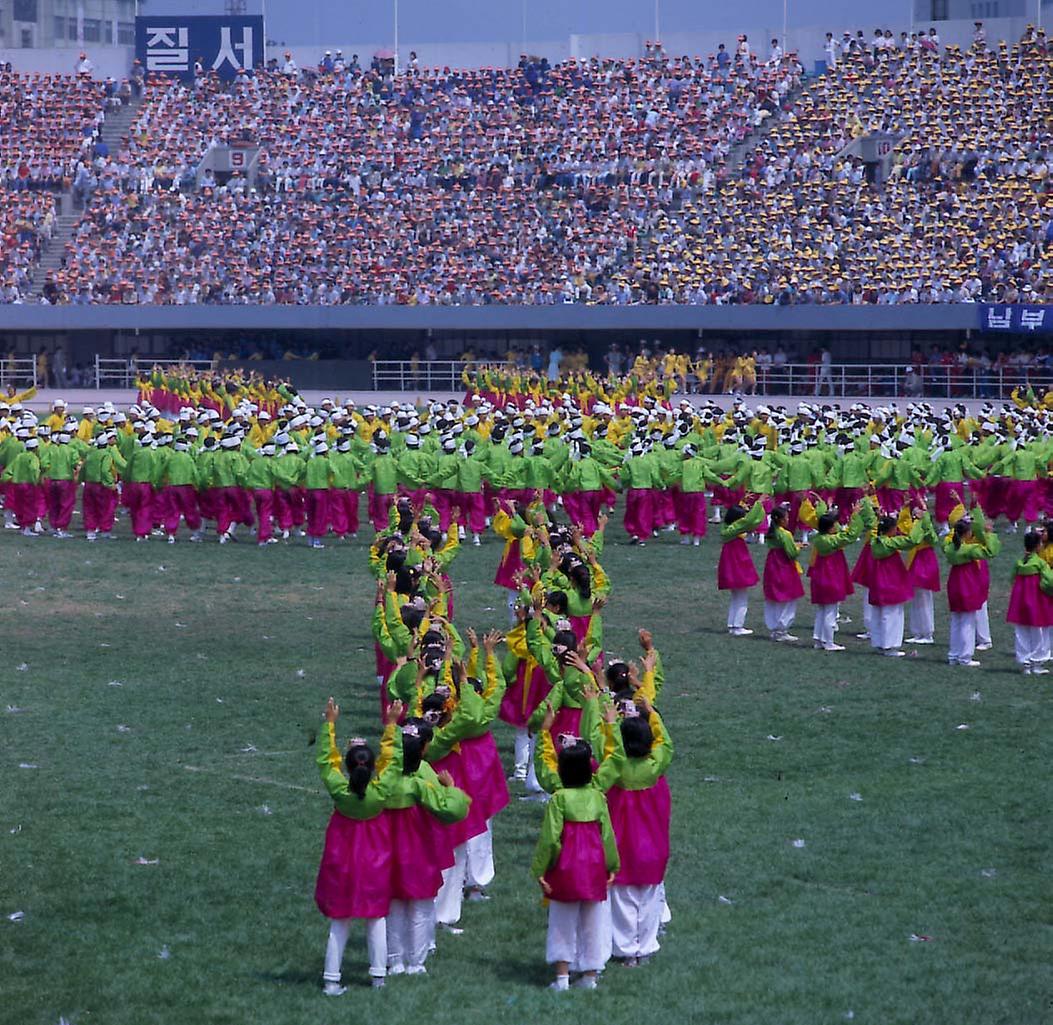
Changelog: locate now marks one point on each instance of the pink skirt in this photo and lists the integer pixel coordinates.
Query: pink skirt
(889, 582)
(522, 698)
(418, 854)
(831, 582)
(511, 563)
(580, 871)
(946, 499)
(452, 834)
(641, 825)
(484, 776)
(924, 570)
(864, 563)
(1029, 605)
(782, 579)
(735, 569)
(967, 586)
(354, 878)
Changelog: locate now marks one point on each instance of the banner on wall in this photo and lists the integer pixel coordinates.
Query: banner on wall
(1001, 317)
(171, 45)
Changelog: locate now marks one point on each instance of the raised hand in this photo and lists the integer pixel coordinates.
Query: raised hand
(394, 712)
(332, 711)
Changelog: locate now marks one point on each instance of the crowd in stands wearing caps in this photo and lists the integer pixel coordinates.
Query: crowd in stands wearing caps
(529, 184)
(27, 222)
(962, 218)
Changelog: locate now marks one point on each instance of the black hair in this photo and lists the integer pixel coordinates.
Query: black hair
(406, 579)
(617, 676)
(413, 746)
(736, 512)
(360, 761)
(566, 639)
(827, 522)
(575, 765)
(557, 601)
(886, 523)
(961, 528)
(412, 616)
(435, 538)
(433, 638)
(637, 737)
(568, 562)
(581, 578)
(776, 519)
(395, 561)
(405, 524)
(1032, 539)
(434, 702)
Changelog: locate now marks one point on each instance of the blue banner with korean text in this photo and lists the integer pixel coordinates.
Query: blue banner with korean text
(177, 45)
(1018, 318)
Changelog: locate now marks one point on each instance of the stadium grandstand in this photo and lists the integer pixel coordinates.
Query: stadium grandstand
(890, 200)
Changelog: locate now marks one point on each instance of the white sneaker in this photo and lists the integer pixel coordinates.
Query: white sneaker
(28, 532)
(740, 631)
(586, 982)
(475, 540)
(971, 664)
(316, 543)
(1039, 671)
(397, 968)
(891, 653)
(785, 638)
(984, 647)
(334, 989)
(697, 542)
(223, 539)
(196, 536)
(863, 636)
(562, 983)
(416, 969)
(453, 930)
(833, 647)
(918, 640)
(171, 539)
(285, 535)
(90, 536)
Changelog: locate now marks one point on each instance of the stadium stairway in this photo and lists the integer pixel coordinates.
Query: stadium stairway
(114, 130)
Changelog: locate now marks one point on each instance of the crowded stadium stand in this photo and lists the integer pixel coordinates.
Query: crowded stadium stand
(587, 201)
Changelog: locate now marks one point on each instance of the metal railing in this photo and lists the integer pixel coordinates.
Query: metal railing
(18, 371)
(869, 380)
(405, 375)
(121, 372)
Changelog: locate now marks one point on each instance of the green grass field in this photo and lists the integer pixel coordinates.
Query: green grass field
(199, 759)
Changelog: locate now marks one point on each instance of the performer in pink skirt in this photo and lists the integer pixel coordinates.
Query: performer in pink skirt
(1031, 608)
(828, 573)
(967, 548)
(782, 577)
(923, 567)
(735, 570)
(575, 862)
(889, 586)
(354, 878)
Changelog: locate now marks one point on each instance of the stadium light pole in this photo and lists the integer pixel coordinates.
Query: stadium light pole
(657, 21)
(785, 19)
(396, 37)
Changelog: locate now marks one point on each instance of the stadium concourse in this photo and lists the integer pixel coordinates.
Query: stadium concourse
(716, 179)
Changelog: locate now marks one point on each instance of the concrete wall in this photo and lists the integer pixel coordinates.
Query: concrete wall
(960, 317)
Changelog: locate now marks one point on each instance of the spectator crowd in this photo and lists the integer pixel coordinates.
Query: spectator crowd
(725, 179)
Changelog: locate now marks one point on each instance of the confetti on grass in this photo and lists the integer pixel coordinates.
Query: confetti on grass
(28, 765)
(988, 873)
(771, 736)
(17, 916)
(976, 696)
(146, 861)
(22, 667)
(725, 900)
(265, 809)
(855, 797)
(248, 749)
(300, 673)
(14, 710)
(798, 843)
(962, 726)
(919, 938)
(164, 953)
(122, 728)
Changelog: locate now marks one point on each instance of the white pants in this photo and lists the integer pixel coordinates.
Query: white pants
(532, 785)
(411, 929)
(825, 624)
(1032, 644)
(963, 637)
(451, 894)
(667, 915)
(521, 751)
(376, 946)
(778, 615)
(886, 626)
(636, 912)
(737, 608)
(479, 858)
(983, 625)
(922, 619)
(868, 609)
(579, 933)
